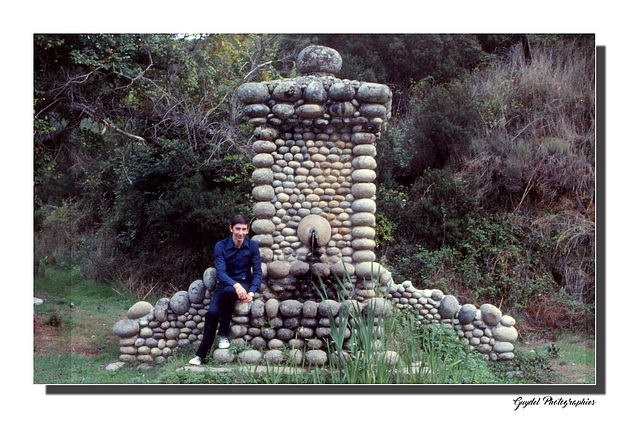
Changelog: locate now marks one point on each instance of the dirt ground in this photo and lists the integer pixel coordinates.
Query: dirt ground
(48, 339)
(572, 374)
(563, 372)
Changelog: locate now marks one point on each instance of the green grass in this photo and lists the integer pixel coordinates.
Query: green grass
(576, 349)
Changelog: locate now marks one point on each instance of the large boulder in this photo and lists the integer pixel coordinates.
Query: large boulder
(449, 306)
(126, 328)
(210, 278)
(491, 315)
(196, 291)
(180, 302)
(467, 314)
(161, 310)
(139, 309)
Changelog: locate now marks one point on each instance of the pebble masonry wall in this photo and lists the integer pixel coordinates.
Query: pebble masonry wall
(314, 214)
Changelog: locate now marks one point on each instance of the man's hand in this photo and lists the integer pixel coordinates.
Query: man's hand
(243, 296)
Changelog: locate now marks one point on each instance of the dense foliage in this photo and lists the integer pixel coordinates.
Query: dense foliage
(486, 175)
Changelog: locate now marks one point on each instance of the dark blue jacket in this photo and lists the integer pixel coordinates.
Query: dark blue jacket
(241, 265)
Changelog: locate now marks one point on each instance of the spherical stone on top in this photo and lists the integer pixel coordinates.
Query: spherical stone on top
(320, 60)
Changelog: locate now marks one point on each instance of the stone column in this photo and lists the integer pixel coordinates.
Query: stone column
(315, 152)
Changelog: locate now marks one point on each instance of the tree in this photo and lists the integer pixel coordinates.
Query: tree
(140, 134)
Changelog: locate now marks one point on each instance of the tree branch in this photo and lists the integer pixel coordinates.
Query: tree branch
(107, 123)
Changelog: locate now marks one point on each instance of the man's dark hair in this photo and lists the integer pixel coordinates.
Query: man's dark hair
(240, 219)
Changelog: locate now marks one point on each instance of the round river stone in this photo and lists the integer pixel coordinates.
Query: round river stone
(139, 309)
(467, 313)
(490, 314)
(319, 59)
(449, 307)
(126, 328)
(253, 92)
(180, 302)
(196, 291)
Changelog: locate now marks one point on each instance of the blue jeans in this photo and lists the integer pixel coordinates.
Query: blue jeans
(220, 311)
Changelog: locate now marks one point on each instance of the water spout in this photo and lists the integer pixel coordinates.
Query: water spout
(314, 256)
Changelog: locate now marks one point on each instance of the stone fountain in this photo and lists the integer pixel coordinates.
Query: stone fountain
(315, 171)
(315, 203)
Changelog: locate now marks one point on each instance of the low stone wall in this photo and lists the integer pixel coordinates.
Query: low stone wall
(485, 328)
(151, 333)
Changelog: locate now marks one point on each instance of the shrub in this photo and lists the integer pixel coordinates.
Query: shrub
(496, 259)
(433, 212)
(174, 207)
(443, 121)
(537, 135)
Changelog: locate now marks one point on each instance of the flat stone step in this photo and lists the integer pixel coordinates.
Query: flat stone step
(415, 368)
(259, 369)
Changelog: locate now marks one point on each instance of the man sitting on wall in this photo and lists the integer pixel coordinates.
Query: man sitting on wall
(239, 272)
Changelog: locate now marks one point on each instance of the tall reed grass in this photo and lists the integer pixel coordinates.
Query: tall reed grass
(367, 346)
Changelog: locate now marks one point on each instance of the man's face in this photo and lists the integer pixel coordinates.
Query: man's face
(239, 232)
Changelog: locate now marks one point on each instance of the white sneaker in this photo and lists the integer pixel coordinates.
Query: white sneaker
(195, 361)
(224, 343)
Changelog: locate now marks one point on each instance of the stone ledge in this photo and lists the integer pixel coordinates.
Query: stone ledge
(260, 369)
(416, 368)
